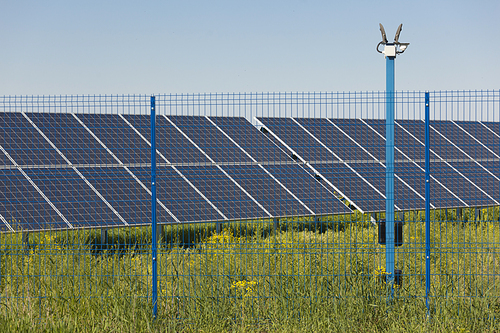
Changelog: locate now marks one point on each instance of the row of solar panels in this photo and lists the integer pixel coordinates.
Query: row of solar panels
(464, 168)
(62, 170)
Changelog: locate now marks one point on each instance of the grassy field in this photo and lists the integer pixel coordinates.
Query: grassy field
(307, 276)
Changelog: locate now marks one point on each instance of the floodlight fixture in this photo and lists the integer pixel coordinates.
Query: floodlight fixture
(392, 49)
(396, 38)
(384, 37)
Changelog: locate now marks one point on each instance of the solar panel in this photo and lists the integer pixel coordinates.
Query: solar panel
(23, 207)
(274, 198)
(493, 167)
(77, 202)
(348, 138)
(444, 136)
(178, 196)
(210, 139)
(493, 126)
(298, 139)
(124, 193)
(271, 137)
(230, 199)
(439, 143)
(251, 139)
(308, 189)
(340, 175)
(373, 137)
(169, 141)
(361, 134)
(352, 186)
(71, 138)
(462, 135)
(409, 171)
(489, 194)
(409, 137)
(457, 184)
(118, 137)
(24, 143)
(415, 178)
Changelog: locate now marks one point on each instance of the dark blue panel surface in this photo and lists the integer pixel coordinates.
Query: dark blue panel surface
(493, 126)
(71, 138)
(375, 143)
(169, 141)
(463, 141)
(251, 139)
(439, 145)
(23, 207)
(222, 192)
(178, 196)
(78, 203)
(493, 167)
(210, 139)
(118, 137)
(457, 184)
(481, 178)
(408, 144)
(277, 143)
(353, 186)
(404, 196)
(357, 158)
(4, 160)
(175, 146)
(415, 178)
(308, 189)
(364, 136)
(298, 139)
(265, 190)
(334, 139)
(23, 142)
(476, 150)
(125, 194)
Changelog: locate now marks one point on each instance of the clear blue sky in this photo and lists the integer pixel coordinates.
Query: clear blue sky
(144, 47)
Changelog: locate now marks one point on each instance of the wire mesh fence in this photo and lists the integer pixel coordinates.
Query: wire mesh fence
(244, 204)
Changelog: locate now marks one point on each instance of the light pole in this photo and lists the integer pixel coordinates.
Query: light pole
(390, 51)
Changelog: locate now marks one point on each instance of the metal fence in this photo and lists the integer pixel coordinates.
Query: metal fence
(226, 202)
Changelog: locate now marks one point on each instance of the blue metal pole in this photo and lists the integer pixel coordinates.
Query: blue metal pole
(389, 172)
(427, 203)
(153, 208)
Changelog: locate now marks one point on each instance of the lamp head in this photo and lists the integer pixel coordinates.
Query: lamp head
(394, 48)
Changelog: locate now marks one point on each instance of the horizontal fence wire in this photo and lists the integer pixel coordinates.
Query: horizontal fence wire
(264, 202)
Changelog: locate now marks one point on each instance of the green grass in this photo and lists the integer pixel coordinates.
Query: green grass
(307, 276)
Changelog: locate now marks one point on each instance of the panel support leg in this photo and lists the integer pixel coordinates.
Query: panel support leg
(104, 238)
(160, 233)
(25, 240)
(276, 225)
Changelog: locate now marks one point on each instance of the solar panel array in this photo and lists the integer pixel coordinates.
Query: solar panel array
(81, 170)
(84, 170)
(350, 154)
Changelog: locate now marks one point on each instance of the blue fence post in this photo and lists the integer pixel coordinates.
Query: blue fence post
(389, 171)
(427, 204)
(153, 209)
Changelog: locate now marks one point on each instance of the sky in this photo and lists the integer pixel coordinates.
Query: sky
(147, 47)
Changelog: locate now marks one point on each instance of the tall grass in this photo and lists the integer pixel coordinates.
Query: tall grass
(307, 275)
